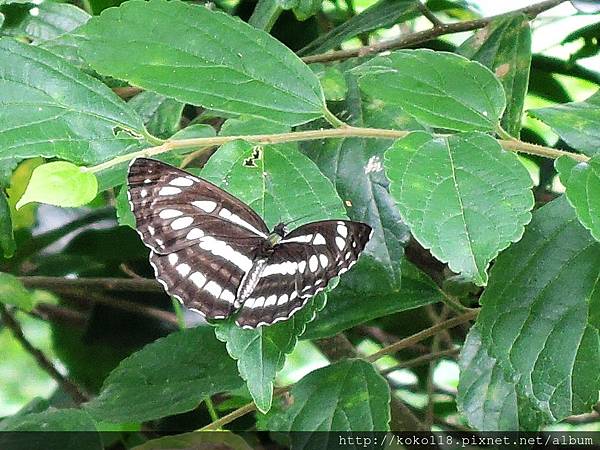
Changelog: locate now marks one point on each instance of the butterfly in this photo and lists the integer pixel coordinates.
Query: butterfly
(216, 255)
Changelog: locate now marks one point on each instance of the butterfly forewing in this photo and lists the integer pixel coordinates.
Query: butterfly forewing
(301, 266)
(174, 209)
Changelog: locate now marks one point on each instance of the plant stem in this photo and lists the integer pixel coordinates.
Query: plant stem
(429, 15)
(422, 335)
(42, 360)
(333, 120)
(427, 35)
(211, 409)
(343, 132)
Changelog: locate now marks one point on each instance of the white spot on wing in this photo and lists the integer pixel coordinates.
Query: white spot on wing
(181, 181)
(283, 299)
(168, 190)
(220, 248)
(173, 258)
(323, 260)
(301, 266)
(342, 230)
(213, 288)
(319, 239)
(313, 263)
(183, 269)
(181, 223)
(143, 193)
(271, 300)
(227, 296)
(233, 218)
(205, 205)
(194, 233)
(198, 279)
(305, 239)
(169, 213)
(340, 242)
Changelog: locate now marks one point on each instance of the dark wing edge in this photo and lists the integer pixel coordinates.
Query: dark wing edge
(301, 266)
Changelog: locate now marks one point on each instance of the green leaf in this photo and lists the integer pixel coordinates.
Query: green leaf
(43, 428)
(453, 93)
(346, 396)
(265, 14)
(382, 14)
(60, 183)
(49, 108)
(197, 440)
(169, 376)
(370, 295)
(265, 186)
(160, 114)
(12, 292)
(7, 239)
(582, 184)
(487, 400)
(504, 46)
(333, 81)
(223, 64)
(539, 318)
(261, 352)
(463, 196)
(575, 122)
(43, 21)
(304, 9)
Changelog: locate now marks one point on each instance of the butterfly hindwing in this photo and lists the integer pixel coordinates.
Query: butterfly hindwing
(301, 266)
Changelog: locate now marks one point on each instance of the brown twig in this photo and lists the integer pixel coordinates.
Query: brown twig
(427, 35)
(421, 360)
(42, 360)
(106, 284)
(428, 14)
(422, 335)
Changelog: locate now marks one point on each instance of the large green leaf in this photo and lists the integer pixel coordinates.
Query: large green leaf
(265, 186)
(39, 430)
(382, 14)
(7, 239)
(223, 64)
(170, 376)
(49, 108)
(582, 183)
(43, 21)
(463, 196)
(439, 89)
(486, 399)
(504, 46)
(347, 396)
(576, 123)
(540, 318)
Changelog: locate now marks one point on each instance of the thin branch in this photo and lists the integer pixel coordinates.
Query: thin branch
(106, 284)
(422, 335)
(415, 362)
(427, 13)
(42, 360)
(427, 35)
(342, 132)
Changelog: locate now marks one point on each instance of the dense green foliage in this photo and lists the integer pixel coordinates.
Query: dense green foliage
(474, 159)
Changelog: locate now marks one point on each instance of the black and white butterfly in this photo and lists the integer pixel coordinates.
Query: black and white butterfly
(217, 256)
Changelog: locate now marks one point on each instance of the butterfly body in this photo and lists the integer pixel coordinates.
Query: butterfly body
(217, 256)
